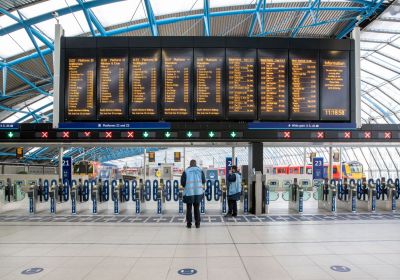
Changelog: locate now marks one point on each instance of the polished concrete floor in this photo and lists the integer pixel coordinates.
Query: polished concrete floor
(298, 248)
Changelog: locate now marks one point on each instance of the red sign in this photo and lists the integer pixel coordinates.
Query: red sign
(45, 134)
(367, 134)
(320, 135)
(87, 133)
(388, 135)
(65, 134)
(347, 135)
(131, 134)
(108, 134)
(287, 135)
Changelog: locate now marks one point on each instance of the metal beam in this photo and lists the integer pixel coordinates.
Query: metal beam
(38, 50)
(304, 18)
(4, 69)
(87, 16)
(25, 80)
(255, 17)
(384, 31)
(206, 18)
(151, 18)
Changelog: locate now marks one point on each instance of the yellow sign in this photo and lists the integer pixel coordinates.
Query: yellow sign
(177, 156)
(152, 157)
(158, 174)
(19, 152)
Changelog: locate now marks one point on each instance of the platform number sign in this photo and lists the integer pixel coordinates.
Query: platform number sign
(228, 166)
(318, 168)
(67, 170)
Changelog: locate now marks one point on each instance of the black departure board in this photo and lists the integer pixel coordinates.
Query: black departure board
(112, 87)
(81, 88)
(304, 85)
(273, 85)
(144, 84)
(177, 66)
(335, 85)
(241, 83)
(209, 90)
(198, 79)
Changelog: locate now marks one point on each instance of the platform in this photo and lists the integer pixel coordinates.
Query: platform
(158, 247)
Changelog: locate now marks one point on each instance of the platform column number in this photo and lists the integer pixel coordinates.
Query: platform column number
(19, 152)
(177, 156)
(152, 157)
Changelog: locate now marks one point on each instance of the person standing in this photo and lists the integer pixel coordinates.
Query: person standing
(234, 191)
(193, 180)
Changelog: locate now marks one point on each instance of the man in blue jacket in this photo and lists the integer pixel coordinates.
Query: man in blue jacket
(234, 190)
(193, 181)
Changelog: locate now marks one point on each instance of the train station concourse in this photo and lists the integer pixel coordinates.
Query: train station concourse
(199, 139)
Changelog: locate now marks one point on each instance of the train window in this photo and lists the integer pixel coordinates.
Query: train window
(274, 171)
(309, 171)
(301, 170)
(291, 170)
(335, 170)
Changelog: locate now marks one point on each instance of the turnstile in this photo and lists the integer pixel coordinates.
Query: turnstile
(366, 195)
(296, 197)
(347, 195)
(327, 195)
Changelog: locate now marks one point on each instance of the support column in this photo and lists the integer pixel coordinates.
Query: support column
(330, 175)
(184, 158)
(305, 160)
(340, 163)
(233, 156)
(256, 163)
(59, 32)
(355, 34)
(60, 162)
(4, 80)
(144, 164)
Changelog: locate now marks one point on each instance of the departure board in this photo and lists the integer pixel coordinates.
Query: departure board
(304, 85)
(209, 83)
(144, 83)
(241, 83)
(112, 90)
(273, 85)
(177, 66)
(335, 85)
(80, 88)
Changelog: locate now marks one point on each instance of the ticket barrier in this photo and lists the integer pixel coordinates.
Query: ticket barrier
(138, 196)
(397, 192)
(32, 191)
(296, 197)
(180, 200)
(384, 194)
(270, 189)
(118, 196)
(392, 195)
(244, 199)
(11, 192)
(160, 195)
(327, 196)
(347, 195)
(366, 195)
(53, 195)
(224, 196)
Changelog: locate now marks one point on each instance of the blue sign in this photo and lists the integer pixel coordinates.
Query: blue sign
(228, 166)
(318, 168)
(32, 270)
(122, 125)
(299, 125)
(340, 268)
(67, 170)
(187, 271)
(9, 126)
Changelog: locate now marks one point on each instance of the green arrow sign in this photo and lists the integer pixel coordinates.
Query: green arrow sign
(10, 134)
(145, 134)
(211, 134)
(233, 134)
(167, 134)
(189, 134)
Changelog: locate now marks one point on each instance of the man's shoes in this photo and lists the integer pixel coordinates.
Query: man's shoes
(189, 226)
(228, 215)
(234, 215)
(197, 226)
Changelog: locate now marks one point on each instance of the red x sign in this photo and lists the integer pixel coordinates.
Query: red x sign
(108, 134)
(287, 134)
(388, 135)
(347, 135)
(131, 134)
(65, 134)
(367, 134)
(87, 133)
(320, 135)
(45, 134)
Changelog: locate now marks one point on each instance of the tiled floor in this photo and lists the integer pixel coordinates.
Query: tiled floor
(266, 249)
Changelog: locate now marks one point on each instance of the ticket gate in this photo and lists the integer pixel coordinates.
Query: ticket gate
(180, 200)
(270, 193)
(366, 195)
(74, 196)
(327, 195)
(224, 196)
(384, 195)
(32, 191)
(392, 195)
(118, 196)
(138, 196)
(346, 195)
(160, 195)
(53, 195)
(245, 198)
(10, 192)
(96, 196)
(296, 197)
